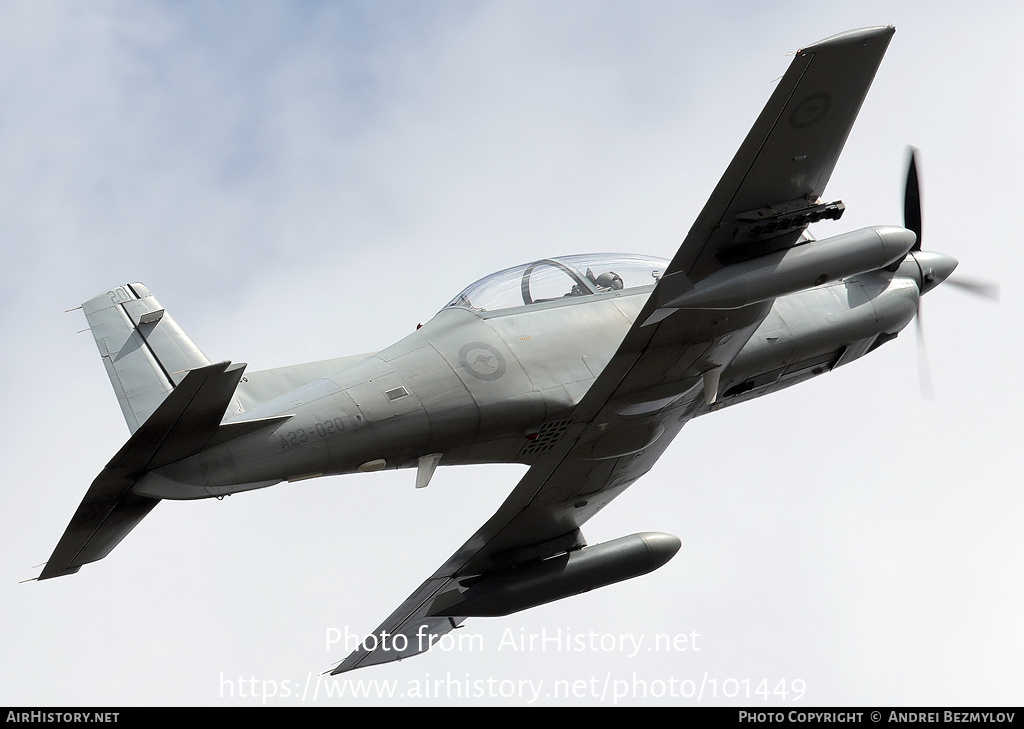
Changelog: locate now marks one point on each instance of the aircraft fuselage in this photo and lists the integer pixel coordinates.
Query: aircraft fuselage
(475, 387)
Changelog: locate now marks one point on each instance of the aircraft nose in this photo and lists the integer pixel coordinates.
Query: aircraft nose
(935, 268)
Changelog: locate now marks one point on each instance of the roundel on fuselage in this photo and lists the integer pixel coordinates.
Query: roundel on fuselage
(482, 361)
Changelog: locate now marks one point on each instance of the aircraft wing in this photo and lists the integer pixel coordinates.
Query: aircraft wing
(666, 368)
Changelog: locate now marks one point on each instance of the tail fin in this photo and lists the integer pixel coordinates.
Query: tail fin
(173, 399)
(183, 423)
(145, 352)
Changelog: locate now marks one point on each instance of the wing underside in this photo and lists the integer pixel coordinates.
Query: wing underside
(661, 374)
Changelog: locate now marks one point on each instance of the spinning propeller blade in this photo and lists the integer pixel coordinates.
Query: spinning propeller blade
(924, 373)
(931, 276)
(912, 200)
(984, 289)
(912, 222)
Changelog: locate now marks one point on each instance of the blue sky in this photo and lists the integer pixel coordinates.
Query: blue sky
(298, 181)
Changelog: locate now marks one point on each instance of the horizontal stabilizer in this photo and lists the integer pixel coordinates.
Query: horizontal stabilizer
(181, 426)
(184, 422)
(108, 512)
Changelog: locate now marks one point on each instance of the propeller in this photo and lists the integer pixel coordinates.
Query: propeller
(977, 287)
(934, 268)
(912, 200)
(912, 222)
(924, 373)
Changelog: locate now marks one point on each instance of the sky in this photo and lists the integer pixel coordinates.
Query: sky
(300, 181)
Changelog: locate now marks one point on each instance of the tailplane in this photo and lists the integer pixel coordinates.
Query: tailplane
(173, 399)
(181, 426)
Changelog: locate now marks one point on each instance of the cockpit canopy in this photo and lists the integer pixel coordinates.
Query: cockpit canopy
(558, 279)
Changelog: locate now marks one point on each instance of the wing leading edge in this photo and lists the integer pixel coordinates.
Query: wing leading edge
(666, 367)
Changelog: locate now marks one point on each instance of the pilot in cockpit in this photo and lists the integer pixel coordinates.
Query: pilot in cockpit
(609, 281)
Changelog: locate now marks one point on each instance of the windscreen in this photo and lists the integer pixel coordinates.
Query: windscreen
(560, 279)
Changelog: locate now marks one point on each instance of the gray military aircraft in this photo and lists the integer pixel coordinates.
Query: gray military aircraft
(584, 368)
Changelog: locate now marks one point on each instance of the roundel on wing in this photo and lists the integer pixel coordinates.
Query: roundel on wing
(482, 361)
(810, 110)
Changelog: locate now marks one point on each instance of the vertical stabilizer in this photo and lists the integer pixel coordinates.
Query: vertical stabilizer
(145, 352)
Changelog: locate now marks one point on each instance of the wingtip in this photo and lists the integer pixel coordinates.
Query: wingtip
(49, 574)
(858, 36)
